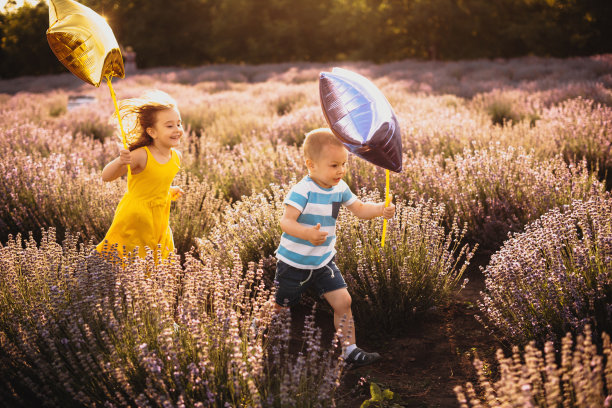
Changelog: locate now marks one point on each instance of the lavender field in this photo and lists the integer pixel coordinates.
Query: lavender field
(506, 161)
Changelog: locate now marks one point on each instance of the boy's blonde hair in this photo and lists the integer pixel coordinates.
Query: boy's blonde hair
(316, 140)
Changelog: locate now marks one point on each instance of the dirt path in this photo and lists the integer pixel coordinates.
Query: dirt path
(424, 365)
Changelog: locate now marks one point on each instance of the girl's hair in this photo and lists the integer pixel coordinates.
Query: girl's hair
(316, 140)
(138, 114)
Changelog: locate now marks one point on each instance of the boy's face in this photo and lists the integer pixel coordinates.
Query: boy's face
(329, 168)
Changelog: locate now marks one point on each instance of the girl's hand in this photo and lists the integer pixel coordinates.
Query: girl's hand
(125, 157)
(316, 236)
(388, 212)
(176, 192)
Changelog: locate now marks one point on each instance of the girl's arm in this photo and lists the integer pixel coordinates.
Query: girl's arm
(290, 226)
(177, 192)
(367, 211)
(137, 160)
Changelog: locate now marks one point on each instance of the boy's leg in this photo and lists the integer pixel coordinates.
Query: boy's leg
(340, 301)
(290, 283)
(334, 290)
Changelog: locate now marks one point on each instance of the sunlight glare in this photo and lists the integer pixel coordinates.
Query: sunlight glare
(18, 4)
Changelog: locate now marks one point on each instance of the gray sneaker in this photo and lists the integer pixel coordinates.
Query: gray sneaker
(359, 358)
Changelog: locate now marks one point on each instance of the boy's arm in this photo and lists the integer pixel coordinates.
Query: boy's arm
(367, 211)
(290, 226)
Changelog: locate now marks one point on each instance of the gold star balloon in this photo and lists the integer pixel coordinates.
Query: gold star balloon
(83, 42)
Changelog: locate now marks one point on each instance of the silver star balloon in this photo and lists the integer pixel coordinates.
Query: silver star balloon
(361, 117)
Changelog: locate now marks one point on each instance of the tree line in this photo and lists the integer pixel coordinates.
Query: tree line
(196, 32)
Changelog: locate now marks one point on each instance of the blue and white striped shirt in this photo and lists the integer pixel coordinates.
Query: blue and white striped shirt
(317, 205)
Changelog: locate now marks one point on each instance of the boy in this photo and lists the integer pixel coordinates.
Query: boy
(307, 246)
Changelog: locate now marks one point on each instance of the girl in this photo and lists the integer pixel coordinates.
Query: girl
(141, 218)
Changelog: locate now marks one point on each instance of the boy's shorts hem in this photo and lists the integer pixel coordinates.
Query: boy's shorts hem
(292, 282)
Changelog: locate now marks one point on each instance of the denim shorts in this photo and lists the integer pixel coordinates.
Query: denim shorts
(291, 282)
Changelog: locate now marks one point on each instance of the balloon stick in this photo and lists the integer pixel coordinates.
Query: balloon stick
(112, 92)
(387, 200)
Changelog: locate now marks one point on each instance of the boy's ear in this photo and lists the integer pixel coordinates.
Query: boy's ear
(309, 163)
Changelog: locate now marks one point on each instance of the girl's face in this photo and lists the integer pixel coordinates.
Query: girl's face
(168, 129)
(329, 168)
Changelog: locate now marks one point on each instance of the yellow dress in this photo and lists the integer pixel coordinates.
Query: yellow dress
(142, 216)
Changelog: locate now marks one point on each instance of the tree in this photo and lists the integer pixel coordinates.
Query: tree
(25, 50)
(165, 33)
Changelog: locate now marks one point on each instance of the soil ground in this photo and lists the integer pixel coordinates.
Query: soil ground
(424, 364)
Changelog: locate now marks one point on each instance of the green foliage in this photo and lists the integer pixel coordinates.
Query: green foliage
(380, 398)
(194, 32)
(57, 107)
(501, 113)
(165, 33)
(95, 127)
(24, 48)
(269, 31)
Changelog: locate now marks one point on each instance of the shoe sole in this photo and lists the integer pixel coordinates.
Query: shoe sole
(352, 366)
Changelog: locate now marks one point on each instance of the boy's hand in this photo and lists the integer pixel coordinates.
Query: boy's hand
(125, 157)
(388, 212)
(176, 192)
(316, 236)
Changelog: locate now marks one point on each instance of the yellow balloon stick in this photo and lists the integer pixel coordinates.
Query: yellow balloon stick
(112, 92)
(83, 42)
(387, 201)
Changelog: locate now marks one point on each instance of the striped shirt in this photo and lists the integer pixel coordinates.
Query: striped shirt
(317, 205)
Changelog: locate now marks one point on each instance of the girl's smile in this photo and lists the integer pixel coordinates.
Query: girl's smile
(168, 129)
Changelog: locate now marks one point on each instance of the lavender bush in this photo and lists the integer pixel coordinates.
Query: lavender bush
(492, 191)
(55, 191)
(581, 129)
(251, 226)
(65, 317)
(77, 329)
(196, 212)
(243, 132)
(245, 168)
(419, 267)
(554, 277)
(579, 377)
(62, 192)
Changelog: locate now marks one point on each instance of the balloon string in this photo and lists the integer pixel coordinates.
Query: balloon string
(387, 200)
(112, 92)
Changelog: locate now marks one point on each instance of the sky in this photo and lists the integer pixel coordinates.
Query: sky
(19, 3)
